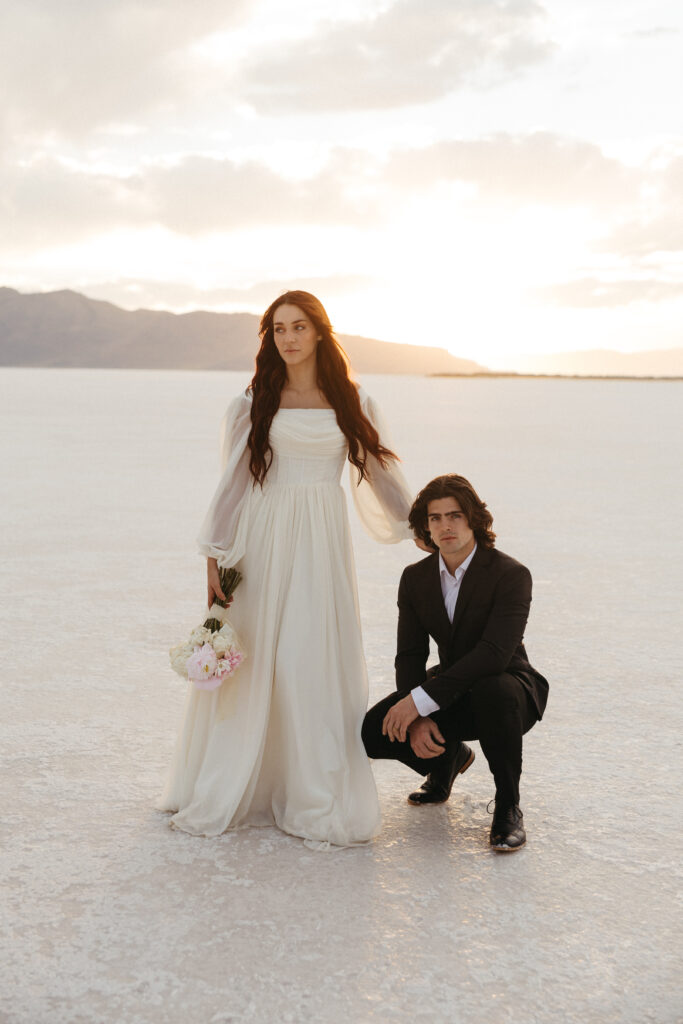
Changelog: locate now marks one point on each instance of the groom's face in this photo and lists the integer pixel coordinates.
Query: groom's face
(449, 528)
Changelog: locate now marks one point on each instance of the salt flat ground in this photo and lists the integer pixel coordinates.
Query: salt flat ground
(111, 916)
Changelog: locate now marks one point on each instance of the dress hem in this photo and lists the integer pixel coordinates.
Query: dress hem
(310, 842)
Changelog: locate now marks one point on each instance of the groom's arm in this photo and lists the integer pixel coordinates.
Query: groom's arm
(502, 634)
(412, 652)
(412, 642)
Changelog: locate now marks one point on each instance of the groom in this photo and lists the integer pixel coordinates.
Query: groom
(474, 602)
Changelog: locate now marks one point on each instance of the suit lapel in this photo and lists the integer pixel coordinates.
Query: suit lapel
(470, 581)
(442, 626)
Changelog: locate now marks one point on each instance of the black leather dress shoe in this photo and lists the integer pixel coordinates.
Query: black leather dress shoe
(437, 787)
(507, 829)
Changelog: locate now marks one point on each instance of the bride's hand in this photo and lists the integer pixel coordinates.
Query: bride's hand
(213, 581)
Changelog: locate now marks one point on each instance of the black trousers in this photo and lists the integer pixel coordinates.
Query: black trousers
(497, 711)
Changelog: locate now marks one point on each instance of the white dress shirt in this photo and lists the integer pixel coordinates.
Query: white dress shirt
(450, 588)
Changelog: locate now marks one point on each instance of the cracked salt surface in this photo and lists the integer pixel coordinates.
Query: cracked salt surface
(111, 916)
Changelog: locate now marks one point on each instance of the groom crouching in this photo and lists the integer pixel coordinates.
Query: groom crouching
(474, 602)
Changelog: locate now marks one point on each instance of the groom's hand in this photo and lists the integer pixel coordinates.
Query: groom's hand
(426, 739)
(398, 718)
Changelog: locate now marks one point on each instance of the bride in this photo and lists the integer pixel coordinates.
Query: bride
(280, 742)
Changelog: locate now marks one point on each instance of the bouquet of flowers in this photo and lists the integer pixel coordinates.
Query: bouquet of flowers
(213, 651)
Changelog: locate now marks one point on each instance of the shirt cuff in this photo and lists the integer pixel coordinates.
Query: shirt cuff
(423, 702)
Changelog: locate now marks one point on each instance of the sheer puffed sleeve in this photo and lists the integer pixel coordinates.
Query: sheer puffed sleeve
(383, 498)
(223, 532)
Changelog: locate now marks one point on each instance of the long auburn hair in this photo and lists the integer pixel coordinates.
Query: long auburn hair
(333, 380)
(478, 516)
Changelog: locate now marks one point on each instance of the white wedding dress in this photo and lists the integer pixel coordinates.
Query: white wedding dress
(279, 743)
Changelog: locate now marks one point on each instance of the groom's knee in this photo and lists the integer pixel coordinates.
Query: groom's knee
(376, 744)
(368, 734)
(371, 730)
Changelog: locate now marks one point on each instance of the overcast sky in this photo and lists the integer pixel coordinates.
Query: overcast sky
(493, 176)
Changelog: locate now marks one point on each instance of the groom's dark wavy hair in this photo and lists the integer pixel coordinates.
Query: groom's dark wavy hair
(333, 380)
(478, 516)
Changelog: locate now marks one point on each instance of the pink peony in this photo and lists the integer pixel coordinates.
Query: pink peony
(201, 666)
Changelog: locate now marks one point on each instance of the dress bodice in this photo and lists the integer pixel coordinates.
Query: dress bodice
(309, 451)
(308, 448)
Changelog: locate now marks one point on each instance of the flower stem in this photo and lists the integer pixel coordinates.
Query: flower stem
(230, 580)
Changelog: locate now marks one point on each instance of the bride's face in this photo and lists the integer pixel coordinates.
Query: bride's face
(296, 337)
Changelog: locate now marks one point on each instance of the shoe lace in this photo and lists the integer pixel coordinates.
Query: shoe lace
(503, 811)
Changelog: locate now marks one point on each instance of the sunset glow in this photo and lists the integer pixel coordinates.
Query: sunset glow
(494, 179)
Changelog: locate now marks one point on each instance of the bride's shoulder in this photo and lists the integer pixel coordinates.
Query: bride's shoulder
(367, 402)
(243, 399)
(238, 406)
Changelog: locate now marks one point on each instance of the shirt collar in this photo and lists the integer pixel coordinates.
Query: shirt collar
(460, 571)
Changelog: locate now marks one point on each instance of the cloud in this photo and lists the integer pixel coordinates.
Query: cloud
(655, 226)
(47, 202)
(538, 167)
(639, 240)
(413, 52)
(68, 67)
(201, 195)
(644, 243)
(135, 293)
(656, 32)
(592, 293)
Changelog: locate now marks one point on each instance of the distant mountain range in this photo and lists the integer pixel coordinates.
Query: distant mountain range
(65, 328)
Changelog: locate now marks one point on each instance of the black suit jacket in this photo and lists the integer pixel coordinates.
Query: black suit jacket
(486, 637)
